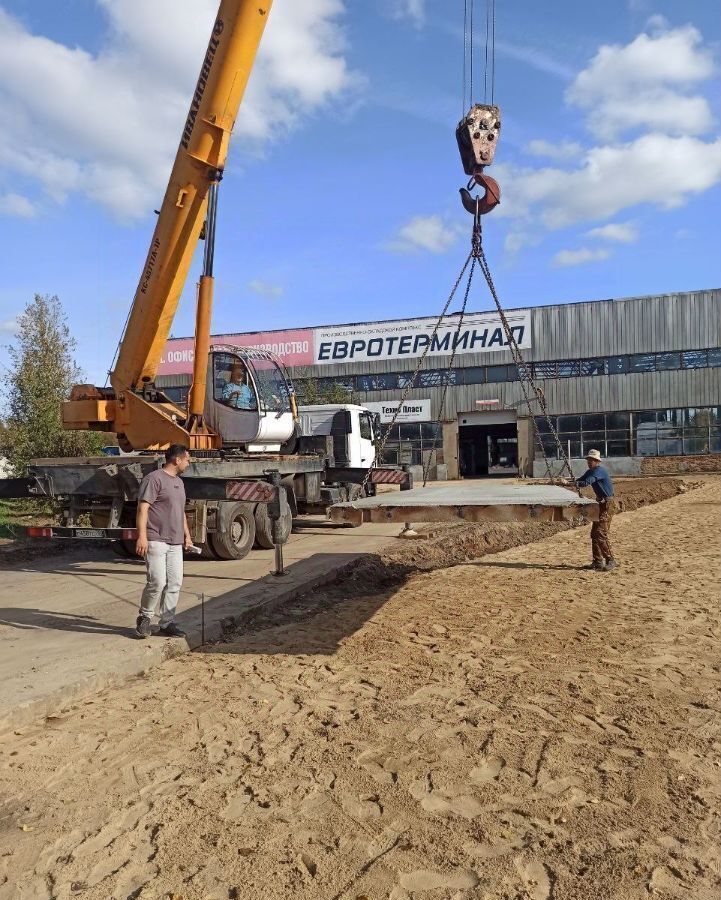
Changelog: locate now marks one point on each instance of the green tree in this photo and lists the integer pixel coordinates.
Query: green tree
(311, 391)
(41, 374)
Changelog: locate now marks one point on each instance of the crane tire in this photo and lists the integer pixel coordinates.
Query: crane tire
(236, 531)
(264, 527)
(206, 550)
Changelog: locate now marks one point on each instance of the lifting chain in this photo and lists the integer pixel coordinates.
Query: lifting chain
(528, 385)
(447, 378)
(412, 380)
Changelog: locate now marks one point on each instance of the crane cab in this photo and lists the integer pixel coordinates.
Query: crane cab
(249, 399)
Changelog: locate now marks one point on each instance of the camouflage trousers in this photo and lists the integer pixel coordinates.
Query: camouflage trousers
(600, 542)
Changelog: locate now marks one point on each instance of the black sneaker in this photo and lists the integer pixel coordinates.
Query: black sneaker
(597, 566)
(172, 630)
(611, 564)
(142, 627)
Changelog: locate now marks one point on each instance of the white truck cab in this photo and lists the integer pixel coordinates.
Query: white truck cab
(354, 430)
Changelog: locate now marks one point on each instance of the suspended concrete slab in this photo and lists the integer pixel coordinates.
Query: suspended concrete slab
(469, 501)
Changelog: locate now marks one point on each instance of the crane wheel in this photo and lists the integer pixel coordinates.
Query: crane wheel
(206, 550)
(264, 527)
(236, 531)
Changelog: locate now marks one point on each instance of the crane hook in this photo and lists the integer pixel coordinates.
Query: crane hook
(481, 204)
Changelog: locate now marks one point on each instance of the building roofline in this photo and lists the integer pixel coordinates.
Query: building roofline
(432, 316)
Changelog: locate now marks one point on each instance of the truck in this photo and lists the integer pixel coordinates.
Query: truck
(254, 463)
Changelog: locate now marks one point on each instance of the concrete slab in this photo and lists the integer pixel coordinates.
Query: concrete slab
(470, 501)
(66, 622)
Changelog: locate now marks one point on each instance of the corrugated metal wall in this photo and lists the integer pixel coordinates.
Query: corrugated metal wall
(683, 321)
(602, 393)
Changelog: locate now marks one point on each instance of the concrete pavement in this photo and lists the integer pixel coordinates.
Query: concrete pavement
(67, 622)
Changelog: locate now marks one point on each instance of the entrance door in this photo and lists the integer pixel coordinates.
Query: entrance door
(487, 447)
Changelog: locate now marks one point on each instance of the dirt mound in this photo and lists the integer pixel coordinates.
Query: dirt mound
(454, 544)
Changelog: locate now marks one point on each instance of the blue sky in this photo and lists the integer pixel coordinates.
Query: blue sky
(340, 201)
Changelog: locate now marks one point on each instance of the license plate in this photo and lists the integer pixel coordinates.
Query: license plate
(89, 532)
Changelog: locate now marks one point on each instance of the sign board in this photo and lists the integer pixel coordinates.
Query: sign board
(413, 410)
(294, 348)
(370, 342)
(407, 339)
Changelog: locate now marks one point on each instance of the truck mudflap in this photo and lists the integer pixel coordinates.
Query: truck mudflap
(80, 533)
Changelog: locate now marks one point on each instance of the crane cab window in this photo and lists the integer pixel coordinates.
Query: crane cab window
(232, 384)
(273, 387)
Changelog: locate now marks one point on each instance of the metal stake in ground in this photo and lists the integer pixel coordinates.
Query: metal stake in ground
(276, 507)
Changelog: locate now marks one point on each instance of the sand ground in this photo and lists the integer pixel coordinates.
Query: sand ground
(514, 728)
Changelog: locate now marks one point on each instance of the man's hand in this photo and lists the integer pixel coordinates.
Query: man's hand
(141, 546)
(187, 541)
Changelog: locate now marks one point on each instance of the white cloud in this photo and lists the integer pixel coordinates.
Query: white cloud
(622, 232)
(643, 85)
(656, 167)
(564, 150)
(413, 11)
(16, 205)
(108, 124)
(266, 289)
(429, 233)
(653, 169)
(9, 326)
(516, 240)
(566, 258)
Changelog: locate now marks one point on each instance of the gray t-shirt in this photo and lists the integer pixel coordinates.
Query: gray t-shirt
(166, 517)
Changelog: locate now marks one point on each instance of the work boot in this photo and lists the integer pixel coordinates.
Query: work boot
(172, 630)
(142, 627)
(611, 564)
(597, 565)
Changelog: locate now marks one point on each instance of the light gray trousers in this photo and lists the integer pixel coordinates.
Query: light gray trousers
(164, 567)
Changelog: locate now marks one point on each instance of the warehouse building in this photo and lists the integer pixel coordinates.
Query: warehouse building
(637, 378)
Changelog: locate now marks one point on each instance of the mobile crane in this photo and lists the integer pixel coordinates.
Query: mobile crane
(252, 468)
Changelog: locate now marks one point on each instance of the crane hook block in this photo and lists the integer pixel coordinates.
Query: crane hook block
(477, 135)
(480, 205)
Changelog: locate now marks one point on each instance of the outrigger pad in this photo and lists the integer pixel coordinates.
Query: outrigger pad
(477, 135)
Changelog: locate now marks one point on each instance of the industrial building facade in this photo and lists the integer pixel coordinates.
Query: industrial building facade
(636, 378)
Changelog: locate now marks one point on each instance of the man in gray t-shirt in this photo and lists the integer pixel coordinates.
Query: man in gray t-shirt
(162, 534)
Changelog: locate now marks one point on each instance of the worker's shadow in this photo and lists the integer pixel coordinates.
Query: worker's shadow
(523, 565)
(27, 619)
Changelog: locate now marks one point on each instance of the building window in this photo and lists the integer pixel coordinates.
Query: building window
(376, 382)
(618, 365)
(593, 367)
(694, 359)
(496, 374)
(474, 375)
(413, 443)
(569, 369)
(649, 432)
(545, 369)
(668, 361)
(405, 379)
(643, 362)
(618, 443)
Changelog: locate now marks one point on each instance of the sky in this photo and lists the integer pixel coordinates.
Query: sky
(340, 199)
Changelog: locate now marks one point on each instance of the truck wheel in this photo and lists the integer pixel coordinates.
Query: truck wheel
(236, 532)
(264, 527)
(206, 550)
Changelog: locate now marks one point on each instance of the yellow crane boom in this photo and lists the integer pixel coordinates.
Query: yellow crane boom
(141, 419)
